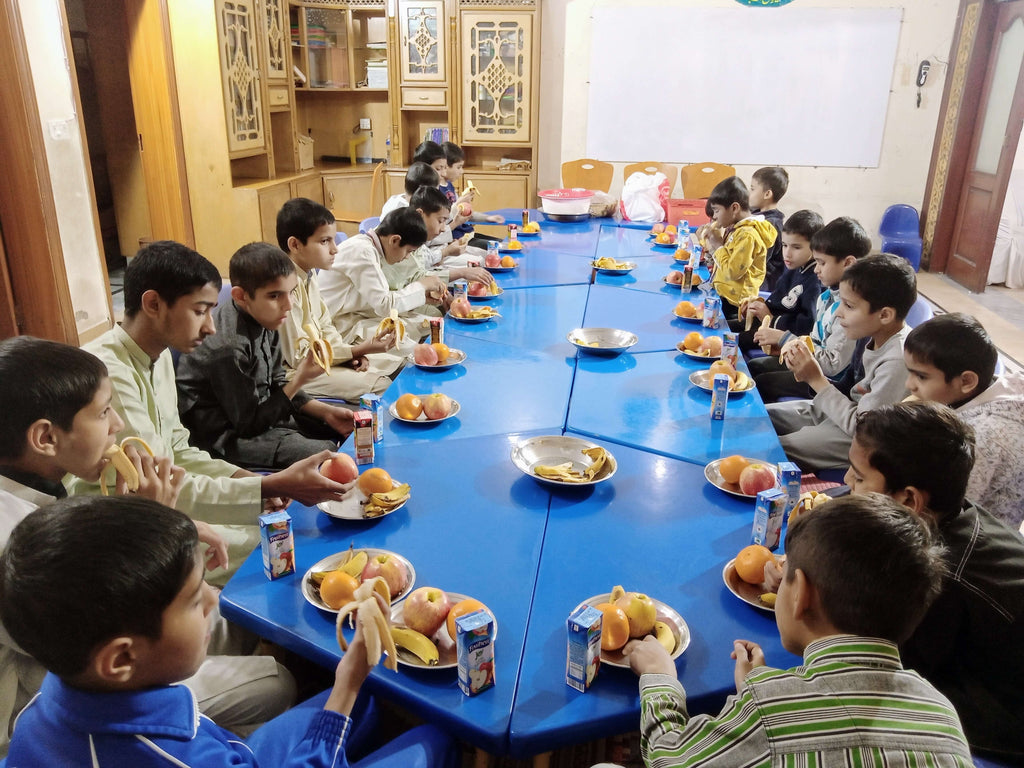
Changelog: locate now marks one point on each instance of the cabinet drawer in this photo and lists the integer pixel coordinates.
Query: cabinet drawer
(277, 96)
(424, 97)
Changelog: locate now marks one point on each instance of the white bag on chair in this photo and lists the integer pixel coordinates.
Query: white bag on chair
(642, 197)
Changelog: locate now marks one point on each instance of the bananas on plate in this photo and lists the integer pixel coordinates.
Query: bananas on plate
(566, 474)
(378, 504)
(606, 262)
(122, 465)
(416, 643)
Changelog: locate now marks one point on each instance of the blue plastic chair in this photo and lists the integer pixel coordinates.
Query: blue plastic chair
(340, 237)
(368, 223)
(919, 313)
(901, 233)
(908, 249)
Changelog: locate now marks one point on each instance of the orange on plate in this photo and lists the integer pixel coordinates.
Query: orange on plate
(730, 468)
(461, 608)
(442, 352)
(337, 589)
(508, 261)
(750, 563)
(375, 480)
(614, 627)
(693, 341)
(409, 406)
(686, 309)
(721, 366)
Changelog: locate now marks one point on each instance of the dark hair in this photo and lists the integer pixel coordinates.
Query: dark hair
(428, 152)
(300, 218)
(42, 379)
(453, 152)
(429, 200)
(729, 191)
(171, 269)
(420, 175)
(955, 343)
(257, 264)
(407, 223)
(920, 444)
(775, 178)
(883, 280)
(840, 238)
(86, 569)
(804, 223)
(876, 565)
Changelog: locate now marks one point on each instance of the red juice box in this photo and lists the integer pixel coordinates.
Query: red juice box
(768, 514)
(583, 653)
(278, 544)
(719, 396)
(436, 330)
(474, 649)
(362, 436)
(790, 479)
(372, 403)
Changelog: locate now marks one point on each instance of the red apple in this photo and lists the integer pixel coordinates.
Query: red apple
(461, 307)
(675, 277)
(656, 228)
(492, 259)
(478, 289)
(425, 610)
(341, 468)
(756, 478)
(424, 354)
(436, 406)
(392, 571)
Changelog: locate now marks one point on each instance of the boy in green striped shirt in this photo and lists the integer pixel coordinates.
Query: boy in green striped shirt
(859, 574)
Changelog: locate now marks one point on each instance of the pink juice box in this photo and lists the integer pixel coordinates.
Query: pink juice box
(278, 544)
(362, 436)
(712, 311)
(790, 479)
(583, 652)
(474, 649)
(373, 403)
(768, 513)
(730, 348)
(719, 396)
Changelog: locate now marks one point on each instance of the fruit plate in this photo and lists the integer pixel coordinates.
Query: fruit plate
(351, 505)
(422, 418)
(698, 318)
(748, 593)
(693, 285)
(502, 269)
(455, 356)
(548, 450)
(701, 379)
(628, 266)
(665, 613)
(601, 341)
(524, 233)
(471, 320)
(672, 245)
(312, 593)
(485, 296)
(696, 356)
(446, 657)
(503, 248)
(713, 476)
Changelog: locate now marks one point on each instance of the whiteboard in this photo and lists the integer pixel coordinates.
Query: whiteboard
(743, 86)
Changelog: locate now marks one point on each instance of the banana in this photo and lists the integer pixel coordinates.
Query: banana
(617, 592)
(768, 598)
(323, 354)
(122, 465)
(809, 343)
(494, 289)
(389, 322)
(663, 633)
(471, 187)
(369, 606)
(416, 643)
(354, 566)
(742, 382)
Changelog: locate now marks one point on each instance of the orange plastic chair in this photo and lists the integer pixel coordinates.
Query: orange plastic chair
(670, 172)
(699, 179)
(588, 174)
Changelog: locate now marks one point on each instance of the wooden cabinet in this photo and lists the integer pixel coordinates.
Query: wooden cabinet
(422, 25)
(240, 71)
(501, 189)
(497, 73)
(271, 198)
(348, 195)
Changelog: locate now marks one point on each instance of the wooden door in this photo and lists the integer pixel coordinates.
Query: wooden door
(421, 25)
(993, 145)
(497, 68)
(8, 320)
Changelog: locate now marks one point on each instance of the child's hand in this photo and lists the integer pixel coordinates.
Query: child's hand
(339, 419)
(459, 219)
(349, 675)
(359, 363)
(434, 287)
(804, 367)
(714, 237)
(757, 308)
(748, 656)
(384, 339)
(454, 248)
(302, 481)
(478, 275)
(217, 548)
(772, 576)
(495, 219)
(765, 336)
(648, 656)
(307, 369)
(159, 479)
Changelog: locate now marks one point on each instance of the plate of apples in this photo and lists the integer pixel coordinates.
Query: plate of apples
(372, 494)
(741, 476)
(329, 584)
(424, 409)
(423, 626)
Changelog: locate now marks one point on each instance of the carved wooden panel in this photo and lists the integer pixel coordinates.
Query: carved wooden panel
(496, 67)
(278, 40)
(236, 28)
(422, 49)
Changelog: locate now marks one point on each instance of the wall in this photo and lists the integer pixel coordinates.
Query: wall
(926, 33)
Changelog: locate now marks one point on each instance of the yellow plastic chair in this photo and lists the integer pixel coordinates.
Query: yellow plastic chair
(588, 174)
(670, 172)
(699, 179)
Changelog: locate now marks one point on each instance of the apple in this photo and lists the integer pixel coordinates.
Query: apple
(465, 209)
(425, 610)
(712, 345)
(436, 406)
(721, 366)
(756, 478)
(657, 228)
(387, 567)
(461, 307)
(424, 354)
(478, 289)
(640, 611)
(492, 259)
(675, 277)
(341, 468)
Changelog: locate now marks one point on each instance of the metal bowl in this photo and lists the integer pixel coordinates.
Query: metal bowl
(601, 341)
(559, 449)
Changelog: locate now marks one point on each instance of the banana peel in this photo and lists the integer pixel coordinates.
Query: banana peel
(741, 384)
(122, 465)
(323, 354)
(378, 504)
(391, 322)
(808, 501)
(480, 313)
(352, 564)
(371, 612)
(607, 262)
(566, 474)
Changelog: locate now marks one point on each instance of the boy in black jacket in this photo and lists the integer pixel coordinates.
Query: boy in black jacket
(767, 186)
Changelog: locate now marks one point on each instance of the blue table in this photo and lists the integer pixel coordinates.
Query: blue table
(646, 314)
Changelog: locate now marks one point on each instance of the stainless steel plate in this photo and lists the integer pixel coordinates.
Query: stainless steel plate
(312, 593)
(559, 449)
(666, 613)
(601, 341)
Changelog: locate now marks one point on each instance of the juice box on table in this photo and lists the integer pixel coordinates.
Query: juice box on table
(768, 514)
(790, 478)
(375, 405)
(583, 652)
(278, 544)
(362, 436)
(474, 647)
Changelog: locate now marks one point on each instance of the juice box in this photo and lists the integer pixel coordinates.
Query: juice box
(790, 478)
(768, 514)
(712, 311)
(583, 653)
(474, 648)
(719, 396)
(362, 436)
(278, 544)
(730, 348)
(436, 330)
(372, 403)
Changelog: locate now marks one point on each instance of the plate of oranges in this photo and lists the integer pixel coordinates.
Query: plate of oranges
(507, 264)
(725, 473)
(689, 312)
(510, 246)
(444, 637)
(698, 347)
(374, 494)
(744, 576)
(446, 358)
(413, 409)
(623, 611)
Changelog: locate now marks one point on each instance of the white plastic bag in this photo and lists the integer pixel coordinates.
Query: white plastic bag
(642, 195)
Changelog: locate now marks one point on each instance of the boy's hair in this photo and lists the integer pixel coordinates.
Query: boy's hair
(883, 280)
(257, 264)
(42, 379)
(453, 153)
(429, 200)
(775, 178)
(420, 175)
(428, 152)
(300, 218)
(171, 269)
(86, 569)
(875, 564)
(955, 343)
(405, 222)
(842, 237)
(729, 191)
(804, 223)
(920, 444)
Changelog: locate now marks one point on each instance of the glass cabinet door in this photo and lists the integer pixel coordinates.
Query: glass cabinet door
(422, 36)
(240, 74)
(278, 40)
(496, 62)
(327, 47)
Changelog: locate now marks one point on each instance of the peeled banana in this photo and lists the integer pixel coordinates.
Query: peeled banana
(741, 383)
(416, 643)
(123, 465)
(323, 355)
(370, 609)
(665, 636)
(392, 322)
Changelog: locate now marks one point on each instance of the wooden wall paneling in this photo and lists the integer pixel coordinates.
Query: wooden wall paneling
(8, 321)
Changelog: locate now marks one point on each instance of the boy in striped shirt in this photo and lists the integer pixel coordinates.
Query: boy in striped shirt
(859, 574)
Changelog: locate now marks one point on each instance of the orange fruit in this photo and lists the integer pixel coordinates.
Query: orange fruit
(442, 351)
(375, 480)
(671, 229)
(614, 628)
(750, 563)
(663, 238)
(338, 588)
(686, 309)
(514, 245)
(730, 467)
(693, 341)
(721, 366)
(409, 406)
(461, 608)
(508, 261)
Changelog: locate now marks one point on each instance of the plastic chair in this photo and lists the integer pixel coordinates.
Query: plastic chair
(698, 179)
(901, 233)
(367, 224)
(919, 313)
(340, 237)
(908, 249)
(588, 174)
(670, 171)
